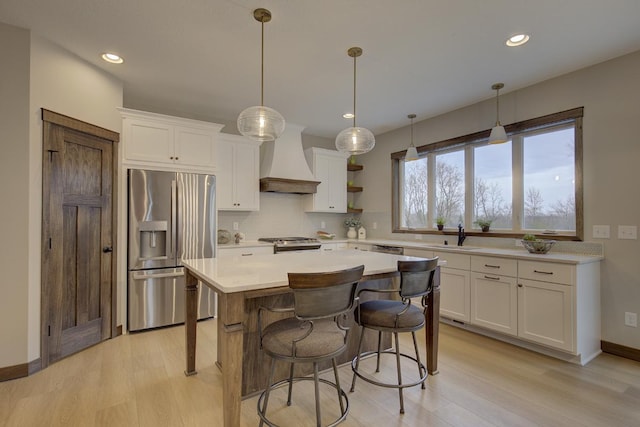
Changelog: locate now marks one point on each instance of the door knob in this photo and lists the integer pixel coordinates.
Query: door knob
(107, 249)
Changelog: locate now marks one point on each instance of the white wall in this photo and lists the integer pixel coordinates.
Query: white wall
(609, 93)
(14, 193)
(36, 74)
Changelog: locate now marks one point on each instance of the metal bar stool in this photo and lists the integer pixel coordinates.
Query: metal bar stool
(383, 315)
(317, 332)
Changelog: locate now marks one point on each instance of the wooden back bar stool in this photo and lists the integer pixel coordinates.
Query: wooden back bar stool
(384, 315)
(317, 332)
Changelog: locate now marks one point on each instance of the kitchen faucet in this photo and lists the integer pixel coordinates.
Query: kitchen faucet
(461, 235)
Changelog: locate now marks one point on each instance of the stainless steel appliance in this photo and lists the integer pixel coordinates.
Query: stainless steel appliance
(291, 244)
(172, 217)
(395, 250)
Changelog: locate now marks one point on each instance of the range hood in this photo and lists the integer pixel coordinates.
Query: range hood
(284, 168)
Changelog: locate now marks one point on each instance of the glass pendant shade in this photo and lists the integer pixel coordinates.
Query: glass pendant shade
(261, 123)
(355, 140)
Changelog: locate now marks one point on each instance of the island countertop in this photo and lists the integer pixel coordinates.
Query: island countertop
(239, 274)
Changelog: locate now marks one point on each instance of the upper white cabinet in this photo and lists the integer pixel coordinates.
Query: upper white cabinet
(330, 168)
(238, 181)
(166, 142)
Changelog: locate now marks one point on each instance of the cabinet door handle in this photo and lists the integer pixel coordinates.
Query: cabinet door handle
(543, 272)
(491, 266)
(247, 254)
(491, 277)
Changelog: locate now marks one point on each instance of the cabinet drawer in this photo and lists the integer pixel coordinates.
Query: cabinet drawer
(492, 265)
(546, 272)
(458, 261)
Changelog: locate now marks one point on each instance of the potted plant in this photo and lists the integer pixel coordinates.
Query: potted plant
(484, 224)
(352, 224)
(440, 221)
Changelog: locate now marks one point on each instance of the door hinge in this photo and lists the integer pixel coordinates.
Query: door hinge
(49, 243)
(49, 331)
(51, 155)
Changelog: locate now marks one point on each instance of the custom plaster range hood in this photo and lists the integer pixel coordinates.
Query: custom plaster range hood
(284, 168)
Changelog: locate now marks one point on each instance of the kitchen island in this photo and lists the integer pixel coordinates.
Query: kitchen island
(245, 283)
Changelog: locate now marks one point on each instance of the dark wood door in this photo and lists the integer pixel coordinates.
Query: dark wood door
(78, 237)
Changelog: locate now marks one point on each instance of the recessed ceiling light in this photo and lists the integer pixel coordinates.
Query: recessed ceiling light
(517, 40)
(348, 115)
(112, 58)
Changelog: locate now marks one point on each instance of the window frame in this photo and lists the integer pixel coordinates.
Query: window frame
(467, 143)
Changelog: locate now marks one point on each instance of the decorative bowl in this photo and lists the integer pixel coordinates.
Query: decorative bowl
(224, 237)
(538, 246)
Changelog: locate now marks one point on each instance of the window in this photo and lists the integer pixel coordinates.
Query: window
(531, 184)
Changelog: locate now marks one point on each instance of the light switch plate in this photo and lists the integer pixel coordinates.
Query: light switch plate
(601, 231)
(627, 232)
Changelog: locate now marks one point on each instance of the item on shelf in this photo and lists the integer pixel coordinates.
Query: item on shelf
(538, 246)
(224, 237)
(362, 233)
(324, 235)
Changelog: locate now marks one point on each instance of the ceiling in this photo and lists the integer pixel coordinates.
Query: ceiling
(201, 59)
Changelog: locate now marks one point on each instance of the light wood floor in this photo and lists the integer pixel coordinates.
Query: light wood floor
(138, 380)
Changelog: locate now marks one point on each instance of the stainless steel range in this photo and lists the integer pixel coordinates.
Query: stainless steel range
(291, 244)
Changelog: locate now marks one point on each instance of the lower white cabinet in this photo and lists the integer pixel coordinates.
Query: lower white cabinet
(545, 313)
(455, 291)
(228, 252)
(331, 247)
(237, 179)
(494, 294)
(494, 302)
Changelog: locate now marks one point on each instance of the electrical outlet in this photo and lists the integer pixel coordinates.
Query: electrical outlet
(235, 226)
(631, 319)
(323, 225)
(627, 232)
(601, 232)
(375, 225)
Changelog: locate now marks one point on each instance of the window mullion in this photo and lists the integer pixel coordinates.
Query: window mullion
(517, 156)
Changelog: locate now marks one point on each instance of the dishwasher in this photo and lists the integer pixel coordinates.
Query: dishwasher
(395, 250)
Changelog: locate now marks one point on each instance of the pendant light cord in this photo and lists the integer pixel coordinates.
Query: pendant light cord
(262, 67)
(498, 107)
(354, 91)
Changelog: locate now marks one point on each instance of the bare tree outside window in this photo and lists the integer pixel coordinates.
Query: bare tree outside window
(449, 190)
(415, 195)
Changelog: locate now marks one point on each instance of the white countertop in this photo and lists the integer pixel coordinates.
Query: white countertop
(245, 244)
(238, 274)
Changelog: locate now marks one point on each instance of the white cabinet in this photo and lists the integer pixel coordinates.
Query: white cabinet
(332, 247)
(494, 294)
(229, 252)
(546, 304)
(359, 246)
(330, 168)
(455, 291)
(166, 142)
(238, 183)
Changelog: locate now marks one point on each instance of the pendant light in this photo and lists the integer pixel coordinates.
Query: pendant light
(498, 134)
(412, 153)
(259, 122)
(355, 140)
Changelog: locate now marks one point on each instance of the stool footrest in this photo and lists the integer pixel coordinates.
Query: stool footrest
(388, 385)
(285, 381)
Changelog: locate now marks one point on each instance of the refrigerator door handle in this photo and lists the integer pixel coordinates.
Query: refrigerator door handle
(142, 276)
(174, 219)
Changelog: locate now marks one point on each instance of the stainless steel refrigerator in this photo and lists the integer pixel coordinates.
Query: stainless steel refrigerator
(172, 217)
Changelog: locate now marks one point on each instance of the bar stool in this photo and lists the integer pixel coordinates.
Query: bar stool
(317, 332)
(383, 315)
